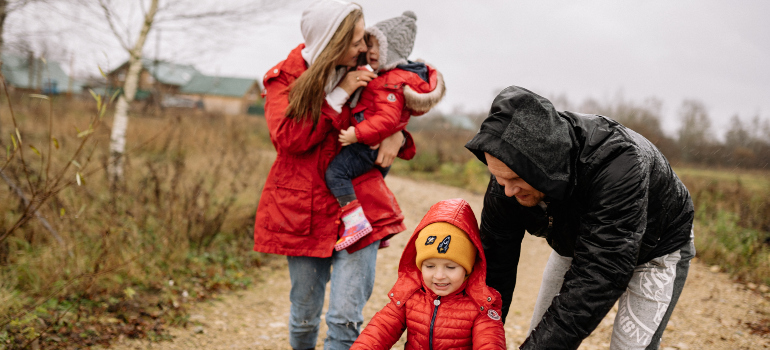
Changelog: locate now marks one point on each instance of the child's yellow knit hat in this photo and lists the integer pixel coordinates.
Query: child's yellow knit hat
(445, 241)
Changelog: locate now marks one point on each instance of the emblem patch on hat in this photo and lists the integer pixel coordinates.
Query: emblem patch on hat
(444, 245)
(391, 97)
(430, 240)
(493, 315)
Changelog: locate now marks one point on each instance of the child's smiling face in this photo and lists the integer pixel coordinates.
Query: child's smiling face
(442, 276)
(373, 54)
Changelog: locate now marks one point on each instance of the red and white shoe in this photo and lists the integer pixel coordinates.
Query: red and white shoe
(356, 225)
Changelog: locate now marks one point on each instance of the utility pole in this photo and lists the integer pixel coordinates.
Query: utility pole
(30, 68)
(70, 82)
(158, 95)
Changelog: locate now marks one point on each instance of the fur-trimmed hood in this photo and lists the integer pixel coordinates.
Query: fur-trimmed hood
(420, 95)
(420, 101)
(396, 37)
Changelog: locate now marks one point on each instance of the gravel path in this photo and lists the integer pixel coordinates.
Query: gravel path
(712, 313)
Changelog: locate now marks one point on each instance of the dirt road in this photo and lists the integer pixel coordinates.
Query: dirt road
(713, 312)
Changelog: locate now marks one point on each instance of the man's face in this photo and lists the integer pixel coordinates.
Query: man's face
(525, 194)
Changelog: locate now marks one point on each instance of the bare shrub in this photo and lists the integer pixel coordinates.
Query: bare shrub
(184, 213)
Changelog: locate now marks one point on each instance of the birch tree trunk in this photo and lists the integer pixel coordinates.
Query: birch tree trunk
(120, 122)
(3, 14)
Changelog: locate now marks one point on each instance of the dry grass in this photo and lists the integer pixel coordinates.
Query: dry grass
(732, 220)
(184, 213)
(441, 157)
(750, 179)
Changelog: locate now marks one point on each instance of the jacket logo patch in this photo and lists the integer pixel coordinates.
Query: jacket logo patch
(430, 240)
(444, 245)
(391, 97)
(493, 315)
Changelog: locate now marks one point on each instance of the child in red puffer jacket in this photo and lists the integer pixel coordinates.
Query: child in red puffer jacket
(401, 90)
(440, 298)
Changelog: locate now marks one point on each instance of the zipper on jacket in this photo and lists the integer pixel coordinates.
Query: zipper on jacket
(544, 206)
(436, 302)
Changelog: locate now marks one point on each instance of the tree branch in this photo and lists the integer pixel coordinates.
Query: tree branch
(26, 201)
(15, 5)
(110, 21)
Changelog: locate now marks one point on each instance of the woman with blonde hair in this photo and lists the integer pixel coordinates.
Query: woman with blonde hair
(305, 107)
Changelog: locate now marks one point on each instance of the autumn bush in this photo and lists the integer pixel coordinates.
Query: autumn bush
(179, 227)
(442, 157)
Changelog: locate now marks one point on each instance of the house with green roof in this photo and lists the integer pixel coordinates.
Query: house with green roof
(226, 95)
(163, 77)
(183, 86)
(37, 75)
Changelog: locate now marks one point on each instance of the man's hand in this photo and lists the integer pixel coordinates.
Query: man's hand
(348, 136)
(389, 148)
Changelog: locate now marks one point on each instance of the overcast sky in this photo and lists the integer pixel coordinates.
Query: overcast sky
(716, 52)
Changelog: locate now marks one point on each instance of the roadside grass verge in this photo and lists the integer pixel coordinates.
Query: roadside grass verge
(732, 220)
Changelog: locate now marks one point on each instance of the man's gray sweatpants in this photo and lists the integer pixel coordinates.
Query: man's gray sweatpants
(646, 306)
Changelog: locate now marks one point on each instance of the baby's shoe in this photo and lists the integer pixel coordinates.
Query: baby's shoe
(356, 225)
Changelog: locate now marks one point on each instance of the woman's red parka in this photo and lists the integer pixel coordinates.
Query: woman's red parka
(467, 319)
(297, 215)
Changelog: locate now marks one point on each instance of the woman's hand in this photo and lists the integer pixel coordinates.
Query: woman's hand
(389, 148)
(355, 79)
(348, 136)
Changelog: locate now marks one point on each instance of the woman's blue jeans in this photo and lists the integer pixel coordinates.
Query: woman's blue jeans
(352, 281)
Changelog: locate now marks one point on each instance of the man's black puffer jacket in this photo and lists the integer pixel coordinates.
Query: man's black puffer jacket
(612, 202)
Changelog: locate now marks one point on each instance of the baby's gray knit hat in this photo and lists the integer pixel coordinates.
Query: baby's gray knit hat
(396, 37)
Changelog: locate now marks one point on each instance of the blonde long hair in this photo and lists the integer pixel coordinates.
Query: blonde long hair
(307, 93)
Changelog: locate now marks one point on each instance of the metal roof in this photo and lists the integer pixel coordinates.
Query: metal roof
(222, 86)
(169, 73)
(16, 70)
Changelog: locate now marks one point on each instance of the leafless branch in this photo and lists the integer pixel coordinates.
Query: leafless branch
(13, 6)
(27, 203)
(108, 14)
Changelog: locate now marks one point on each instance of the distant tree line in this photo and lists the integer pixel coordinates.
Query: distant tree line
(744, 145)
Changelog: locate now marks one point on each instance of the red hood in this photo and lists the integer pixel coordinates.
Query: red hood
(419, 96)
(458, 213)
(398, 77)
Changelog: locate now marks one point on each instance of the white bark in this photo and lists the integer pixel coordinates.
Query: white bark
(3, 14)
(120, 123)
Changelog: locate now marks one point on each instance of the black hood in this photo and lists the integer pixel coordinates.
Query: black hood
(418, 68)
(524, 131)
